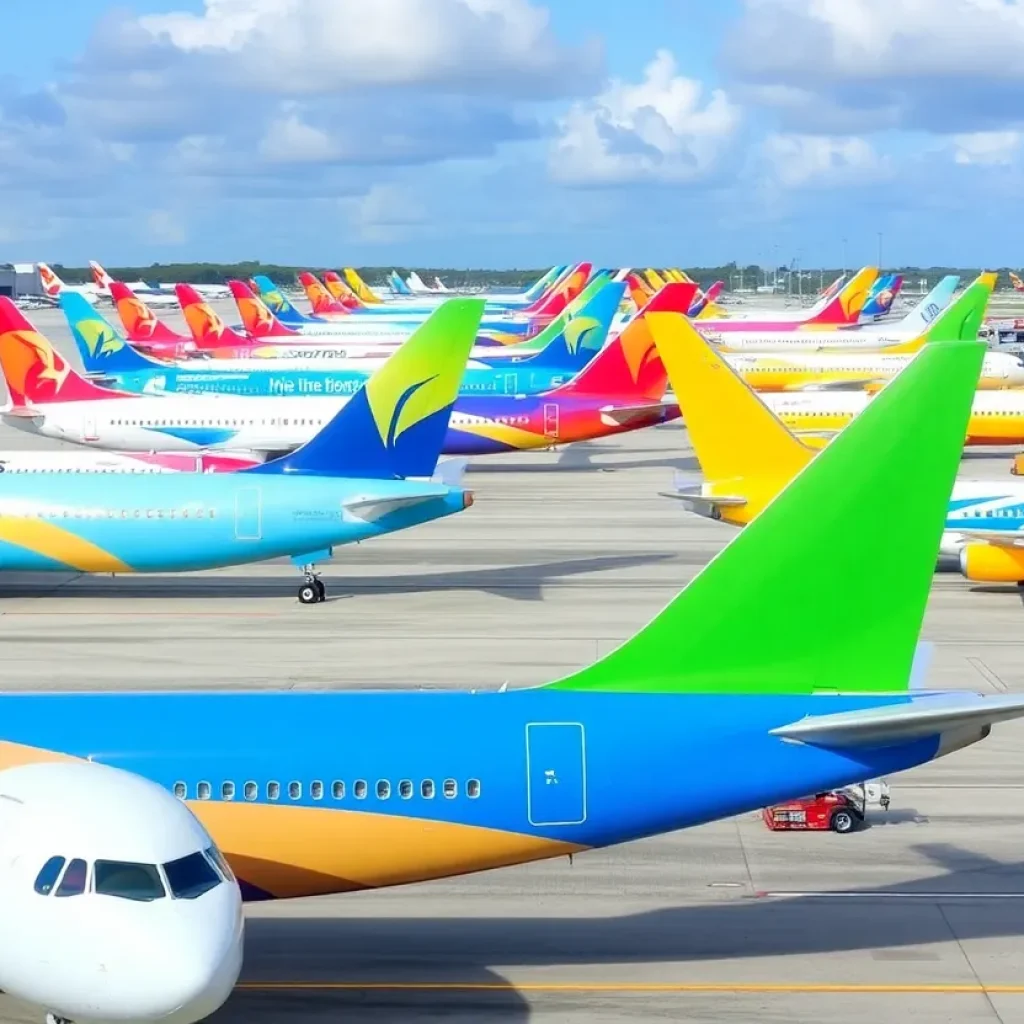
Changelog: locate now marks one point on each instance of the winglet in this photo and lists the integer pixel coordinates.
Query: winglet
(35, 372)
(395, 425)
(902, 451)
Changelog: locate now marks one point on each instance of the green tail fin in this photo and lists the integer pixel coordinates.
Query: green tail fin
(540, 341)
(826, 589)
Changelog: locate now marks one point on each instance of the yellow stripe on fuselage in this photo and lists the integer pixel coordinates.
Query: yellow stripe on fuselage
(984, 428)
(60, 545)
(775, 375)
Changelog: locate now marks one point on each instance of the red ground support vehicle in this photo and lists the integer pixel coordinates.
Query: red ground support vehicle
(839, 811)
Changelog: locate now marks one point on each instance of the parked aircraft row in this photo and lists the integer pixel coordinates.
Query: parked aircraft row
(121, 905)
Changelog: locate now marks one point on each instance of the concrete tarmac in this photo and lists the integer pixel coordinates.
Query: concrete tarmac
(920, 916)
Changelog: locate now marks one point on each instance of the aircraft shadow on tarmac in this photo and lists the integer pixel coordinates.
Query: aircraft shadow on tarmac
(579, 458)
(517, 582)
(891, 922)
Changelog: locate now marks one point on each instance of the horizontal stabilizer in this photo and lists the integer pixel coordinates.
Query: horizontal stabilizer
(858, 384)
(719, 500)
(370, 509)
(999, 538)
(900, 723)
(450, 472)
(623, 415)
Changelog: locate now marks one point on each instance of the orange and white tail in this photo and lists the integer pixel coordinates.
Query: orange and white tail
(50, 280)
(321, 301)
(206, 327)
(140, 323)
(1017, 283)
(844, 307)
(257, 318)
(341, 291)
(35, 372)
(101, 277)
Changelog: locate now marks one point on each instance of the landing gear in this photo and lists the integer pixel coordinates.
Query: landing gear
(312, 590)
(52, 1018)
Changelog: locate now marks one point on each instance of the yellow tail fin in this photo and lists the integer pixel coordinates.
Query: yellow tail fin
(743, 449)
(654, 279)
(360, 287)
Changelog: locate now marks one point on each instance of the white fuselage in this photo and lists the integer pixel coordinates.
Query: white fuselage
(786, 341)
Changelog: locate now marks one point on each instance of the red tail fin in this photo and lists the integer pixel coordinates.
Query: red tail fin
(206, 326)
(320, 299)
(630, 367)
(714, 291)
(341, 291)
(639, 291)
(845, 306)
(559, 297)
(139, 321)
(257, 319)
(35, 371)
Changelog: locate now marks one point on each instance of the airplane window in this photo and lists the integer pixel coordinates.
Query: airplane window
(360, 789)
(473, 788)
(273, 790)
(338, 790)
(316, 790)
(451, 788)
(294, 790)
(48, 874)
(405, 789)
(383, 789)
(203, 791)
(227, 791)
(191, 876)
(218, 858)
(427, 789)
(73, 882)
(180, 790)
(251, 791)
(128, 881)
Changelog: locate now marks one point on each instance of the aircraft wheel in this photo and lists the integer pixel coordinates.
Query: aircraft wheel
(309, 594)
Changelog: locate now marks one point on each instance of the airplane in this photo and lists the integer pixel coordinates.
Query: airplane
(877, 337)
(622, 389)
(308, 793)
(53, 285)
(157, 295)
(1018, 284)
(828, 313)
(104, 352)
(87, 461)
(747, 455)
(322, 303)
(347, 483)
(881, 297)
(839, 370)
(118, 905)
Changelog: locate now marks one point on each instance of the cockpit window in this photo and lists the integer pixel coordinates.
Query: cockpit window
(218, 858)
(129, 881)
(48, 875)
(190, 876)
(73, 882)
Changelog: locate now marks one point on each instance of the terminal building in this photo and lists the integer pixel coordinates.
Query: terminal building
(20, 280)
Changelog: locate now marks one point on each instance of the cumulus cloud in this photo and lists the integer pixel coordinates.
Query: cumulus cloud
(987, 148)
(845, 65)
(662, 129)
(821, 161)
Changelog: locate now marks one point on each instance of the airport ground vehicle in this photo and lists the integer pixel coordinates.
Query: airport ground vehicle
(837, 810)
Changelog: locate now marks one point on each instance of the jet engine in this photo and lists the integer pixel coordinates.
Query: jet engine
(992, 563)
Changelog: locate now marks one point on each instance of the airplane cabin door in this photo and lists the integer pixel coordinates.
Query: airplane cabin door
(89, 432)
(556, 773)
(511, 380)
(248, 513)
(551, 420)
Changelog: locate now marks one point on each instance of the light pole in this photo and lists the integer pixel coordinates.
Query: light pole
(879, 250)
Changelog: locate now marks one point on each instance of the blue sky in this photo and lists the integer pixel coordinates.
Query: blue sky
(512, 132)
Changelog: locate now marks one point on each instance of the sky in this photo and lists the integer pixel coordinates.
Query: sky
(513, 133)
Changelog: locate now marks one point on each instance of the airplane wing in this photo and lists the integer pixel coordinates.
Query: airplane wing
(852, 384)
(999, 538)
(954, 717)
(370, 508)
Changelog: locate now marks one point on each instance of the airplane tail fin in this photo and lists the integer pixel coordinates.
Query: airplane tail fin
(654, 279)
(341, 291)
(100, 276)
(845, 306)
(960, 322)
(583, 335)
(395, 425)
(360, 287)
(204, 323)
(705, 299)
(558, 298)
(902, 452)
(50, 280)
(139, 321)
(320, 299)
(744, 449)
(537, 289)
(257, 319)
(34, 370)
(881, 297)
(1017, 283)
(931, 306)
(639, 290)
(101, 348)
(278, 303)
(629, 366)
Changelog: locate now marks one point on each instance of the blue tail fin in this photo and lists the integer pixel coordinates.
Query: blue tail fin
(395, 425)
(585, 333)
(881, 296)
(101, 348)
(930, 308)
(278, 303)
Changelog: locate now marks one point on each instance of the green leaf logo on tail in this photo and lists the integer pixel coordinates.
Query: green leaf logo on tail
(99, 338)
(582, 332)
